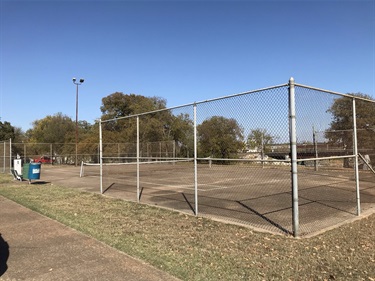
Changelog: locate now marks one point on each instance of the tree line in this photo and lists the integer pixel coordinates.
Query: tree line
(219, 137)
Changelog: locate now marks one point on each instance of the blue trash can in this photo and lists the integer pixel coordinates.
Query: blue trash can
(31, 171)
(34, 171)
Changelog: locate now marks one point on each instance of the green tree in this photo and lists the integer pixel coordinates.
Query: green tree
(220, 137)
(340, 131)
(88, 146)
(179, 128)
(120, 105)
(7, 131)
(260, 139)
(56, 128)
(154, 127)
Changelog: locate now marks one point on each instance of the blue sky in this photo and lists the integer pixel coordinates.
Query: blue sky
(183, 51)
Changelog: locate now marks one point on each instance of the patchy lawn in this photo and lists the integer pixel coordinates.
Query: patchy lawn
(194, 248)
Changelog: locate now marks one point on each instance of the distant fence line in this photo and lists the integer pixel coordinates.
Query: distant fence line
(64, 153)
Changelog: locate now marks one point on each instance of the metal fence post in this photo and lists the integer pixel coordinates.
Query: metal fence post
(195, 161)
(138, 184)
(99, 146)
(293, 150)
(51, 153)
(174, 149)
(355, 148)
(24, 153)
(101, 156)
(10, 155)
(316, 163)
(4, 156)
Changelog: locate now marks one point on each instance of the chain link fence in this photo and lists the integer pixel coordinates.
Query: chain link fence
(335, 134)
(289, 159)
(270, 158)
(64, 153)
(56, 153)
(5, 158)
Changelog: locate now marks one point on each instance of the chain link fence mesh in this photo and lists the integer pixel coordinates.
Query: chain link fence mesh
(242, 160)
(5, 158)
(230, 158)
(327, 187)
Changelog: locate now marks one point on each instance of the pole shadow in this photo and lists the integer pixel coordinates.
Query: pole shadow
(189, 204)
(265, 218)
(140, 193)
(110, 186)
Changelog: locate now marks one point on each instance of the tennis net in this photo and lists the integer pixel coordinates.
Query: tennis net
(113, 167)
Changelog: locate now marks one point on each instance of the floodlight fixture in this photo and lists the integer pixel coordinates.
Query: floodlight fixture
(81, 80)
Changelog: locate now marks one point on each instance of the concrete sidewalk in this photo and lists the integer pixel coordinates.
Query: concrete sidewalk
(34, 247)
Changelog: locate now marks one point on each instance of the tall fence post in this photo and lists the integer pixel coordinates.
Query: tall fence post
(99, 146)
(10, 155)
(4, 156)
(138, 183)
(195, 161)
(355, 150)
(101, 156)
(24, 152)
(293, 151)
(315, 141)
(51, 152)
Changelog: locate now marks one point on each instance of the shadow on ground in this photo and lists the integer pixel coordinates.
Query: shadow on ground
(4, 255)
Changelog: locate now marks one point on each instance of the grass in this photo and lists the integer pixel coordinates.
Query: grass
(194, 248)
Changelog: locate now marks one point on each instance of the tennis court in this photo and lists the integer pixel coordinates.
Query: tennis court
(274, 158)
(246, 194)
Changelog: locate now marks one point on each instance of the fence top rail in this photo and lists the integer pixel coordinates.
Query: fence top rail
(334, 93)
(72, 143)
(195, 103)
(49, 143)
(326, 158)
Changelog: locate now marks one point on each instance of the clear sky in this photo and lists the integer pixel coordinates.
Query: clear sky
(183, 51)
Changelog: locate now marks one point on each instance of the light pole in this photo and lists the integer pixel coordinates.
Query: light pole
(81, 80)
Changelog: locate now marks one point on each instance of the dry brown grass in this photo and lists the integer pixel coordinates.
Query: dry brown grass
(200, 249)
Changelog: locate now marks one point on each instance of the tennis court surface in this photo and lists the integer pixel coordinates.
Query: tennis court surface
(257, 197)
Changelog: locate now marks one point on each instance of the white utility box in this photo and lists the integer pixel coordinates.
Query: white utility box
(18, 166)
